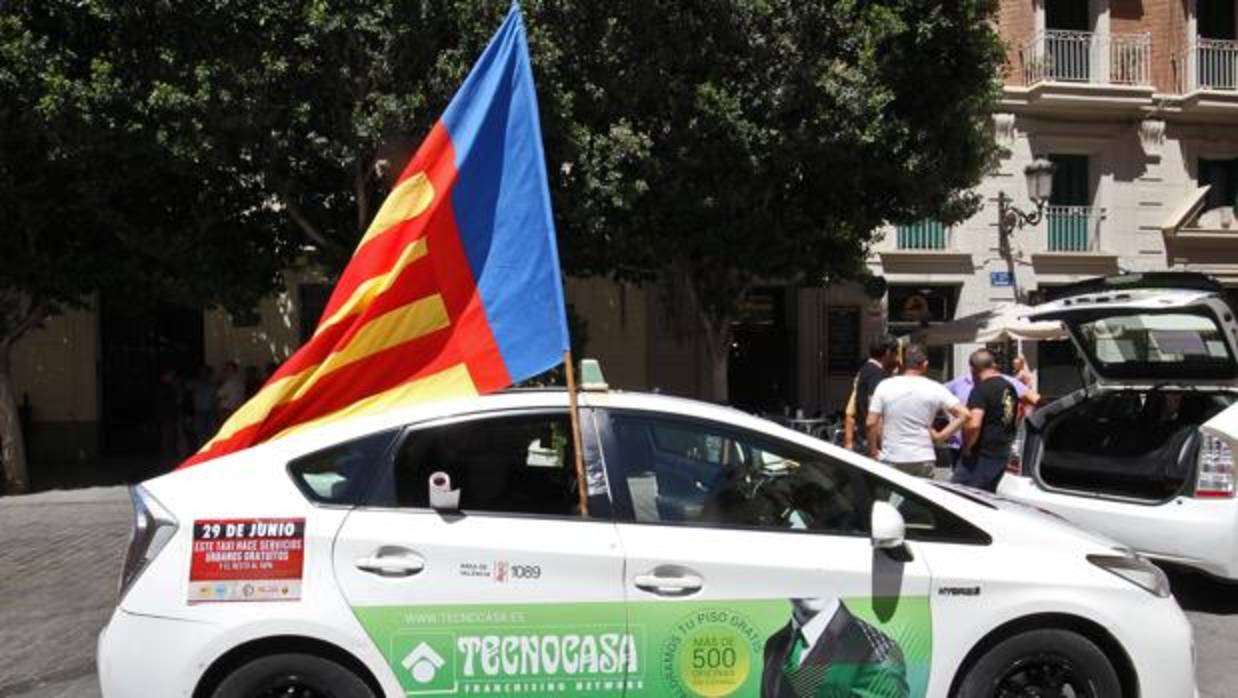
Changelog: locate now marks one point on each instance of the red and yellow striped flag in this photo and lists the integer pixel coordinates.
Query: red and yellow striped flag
(453, 290)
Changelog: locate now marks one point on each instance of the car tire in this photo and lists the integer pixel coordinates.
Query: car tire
(284, 674)
(1044, 658)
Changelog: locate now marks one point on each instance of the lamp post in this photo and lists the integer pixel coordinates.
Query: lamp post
(1010, 218)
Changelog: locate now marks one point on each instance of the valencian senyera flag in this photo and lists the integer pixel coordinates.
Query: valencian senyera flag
(454, 289)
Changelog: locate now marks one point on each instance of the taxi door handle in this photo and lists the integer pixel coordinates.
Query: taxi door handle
(392, 564)
(669, 585)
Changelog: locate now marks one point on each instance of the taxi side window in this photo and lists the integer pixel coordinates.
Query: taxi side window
(341, 474)
(924, 520)
(520, 464)
(681, 471)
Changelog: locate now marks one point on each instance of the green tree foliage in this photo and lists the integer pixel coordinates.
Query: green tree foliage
(192, 150)
(91, 196)
(726, 144)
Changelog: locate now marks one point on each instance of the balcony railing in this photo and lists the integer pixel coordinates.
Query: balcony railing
(1209, 64)
(1074, 228)
(923, 235)
(1130, 59)
(1072, 56)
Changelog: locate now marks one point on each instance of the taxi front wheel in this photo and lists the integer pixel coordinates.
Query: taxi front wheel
(300, 675)
(1042, 663)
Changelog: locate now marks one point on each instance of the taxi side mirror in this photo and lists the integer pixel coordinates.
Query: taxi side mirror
(889, 531)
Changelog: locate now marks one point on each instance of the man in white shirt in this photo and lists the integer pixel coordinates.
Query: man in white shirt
(901, 415)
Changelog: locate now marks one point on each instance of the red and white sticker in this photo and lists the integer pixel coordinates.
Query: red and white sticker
(247, 560)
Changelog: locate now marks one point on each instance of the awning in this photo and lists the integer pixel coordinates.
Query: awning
(1001, 323)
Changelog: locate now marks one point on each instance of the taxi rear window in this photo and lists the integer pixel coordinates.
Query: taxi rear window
(341, 474)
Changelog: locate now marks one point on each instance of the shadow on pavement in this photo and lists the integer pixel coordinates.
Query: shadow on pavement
(78, 681)
(101, 473)
(1200, 592)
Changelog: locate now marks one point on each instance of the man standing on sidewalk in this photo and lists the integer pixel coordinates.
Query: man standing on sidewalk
(993, 411)
(882, 360)
(962, 386)
(901, 414)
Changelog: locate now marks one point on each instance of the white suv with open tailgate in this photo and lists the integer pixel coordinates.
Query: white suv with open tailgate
(1143, 452)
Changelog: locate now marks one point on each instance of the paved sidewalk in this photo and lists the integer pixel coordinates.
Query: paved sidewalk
(59, 566)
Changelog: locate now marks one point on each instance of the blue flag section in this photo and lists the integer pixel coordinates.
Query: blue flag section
(502, 204)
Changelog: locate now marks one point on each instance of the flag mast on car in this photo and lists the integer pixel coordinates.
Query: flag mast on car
(453, 290)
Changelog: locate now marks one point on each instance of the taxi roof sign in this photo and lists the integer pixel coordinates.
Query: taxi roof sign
(591, 378)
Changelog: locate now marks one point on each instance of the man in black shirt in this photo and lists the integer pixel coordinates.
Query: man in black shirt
(993, 409)
(882, 360)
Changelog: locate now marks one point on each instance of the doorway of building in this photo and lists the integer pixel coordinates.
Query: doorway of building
(137, 342)
(761, 374)
(918, 306)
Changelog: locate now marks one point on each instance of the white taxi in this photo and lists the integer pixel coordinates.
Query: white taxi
(443, 551)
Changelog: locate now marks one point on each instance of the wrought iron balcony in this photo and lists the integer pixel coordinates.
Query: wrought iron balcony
(1058, 55)
(923, 235)
(1209, 64)
(1073, 228)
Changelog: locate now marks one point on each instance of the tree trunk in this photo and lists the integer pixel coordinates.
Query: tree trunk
(12, 447)
(716, 326)
(719, 372)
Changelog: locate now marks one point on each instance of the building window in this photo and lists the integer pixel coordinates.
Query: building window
(1214, 19)
(1069, 15)
(914, 307)
(1222, 176)
(1070, 214)
(1070, 180)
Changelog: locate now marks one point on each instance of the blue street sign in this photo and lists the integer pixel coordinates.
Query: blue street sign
(999, 278)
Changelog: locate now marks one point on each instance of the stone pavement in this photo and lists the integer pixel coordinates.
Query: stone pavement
(60, 561)
(1212, 608)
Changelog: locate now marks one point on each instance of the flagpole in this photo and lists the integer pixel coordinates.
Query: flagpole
(574, 409)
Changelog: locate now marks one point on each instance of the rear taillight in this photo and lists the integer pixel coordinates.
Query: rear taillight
(1216, 468)
(153, 527)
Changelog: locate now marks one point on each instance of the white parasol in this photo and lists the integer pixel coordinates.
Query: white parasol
(1003, 322)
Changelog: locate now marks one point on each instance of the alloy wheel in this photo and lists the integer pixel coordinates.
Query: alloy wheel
(290, 686)
(1042, 676)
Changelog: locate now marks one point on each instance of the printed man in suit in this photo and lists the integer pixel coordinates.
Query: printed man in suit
(825, 652)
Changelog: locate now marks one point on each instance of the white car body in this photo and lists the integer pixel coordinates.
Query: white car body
(1034, 573)
(1188, 528)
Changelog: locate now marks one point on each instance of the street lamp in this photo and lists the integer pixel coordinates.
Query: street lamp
(1009, 217)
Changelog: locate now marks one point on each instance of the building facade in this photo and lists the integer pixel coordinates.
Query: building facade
(1136, 104)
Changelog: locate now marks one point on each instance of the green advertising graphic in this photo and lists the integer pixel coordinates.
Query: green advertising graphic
(704, 649)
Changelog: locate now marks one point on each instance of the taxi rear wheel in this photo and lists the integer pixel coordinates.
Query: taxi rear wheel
(1042, 664)
(292, 676)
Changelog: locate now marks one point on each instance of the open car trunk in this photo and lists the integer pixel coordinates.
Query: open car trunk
(1132, 443)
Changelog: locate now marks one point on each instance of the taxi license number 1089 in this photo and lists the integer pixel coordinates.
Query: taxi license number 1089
(526, 571)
